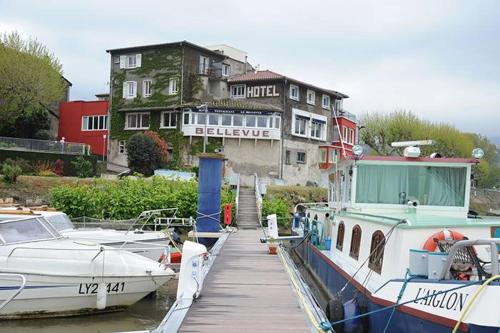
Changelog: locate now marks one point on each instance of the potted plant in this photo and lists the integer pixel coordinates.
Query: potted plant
(272, 245)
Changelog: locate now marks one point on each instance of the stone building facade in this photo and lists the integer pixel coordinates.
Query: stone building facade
(307, 115)
(265, 123)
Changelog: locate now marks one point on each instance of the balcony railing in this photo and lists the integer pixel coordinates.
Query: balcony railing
(344, 113)
(61, 147)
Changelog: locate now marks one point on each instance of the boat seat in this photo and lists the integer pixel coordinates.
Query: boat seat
(465, 259)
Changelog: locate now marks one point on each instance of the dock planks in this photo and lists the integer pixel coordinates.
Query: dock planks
(247, 290)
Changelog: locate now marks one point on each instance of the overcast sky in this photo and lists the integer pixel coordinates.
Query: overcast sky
(439, 59)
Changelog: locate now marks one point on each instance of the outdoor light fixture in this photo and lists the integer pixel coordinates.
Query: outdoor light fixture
(477, 153)
(357, 150)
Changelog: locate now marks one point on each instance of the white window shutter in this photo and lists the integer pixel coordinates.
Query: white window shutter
(138, 58)
(123, 60)
(135, 89)
(125, 86)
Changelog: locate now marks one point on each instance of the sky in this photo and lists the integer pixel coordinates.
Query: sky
(438, 59)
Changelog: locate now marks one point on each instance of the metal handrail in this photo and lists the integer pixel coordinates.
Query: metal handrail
(237, 204)
(258, 198)
(17, 292)
(493, 242)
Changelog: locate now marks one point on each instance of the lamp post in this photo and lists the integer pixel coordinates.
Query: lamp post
(205, 110)
(104, 136)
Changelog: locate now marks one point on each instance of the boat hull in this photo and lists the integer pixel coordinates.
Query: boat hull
(53, 296)
(404, 319)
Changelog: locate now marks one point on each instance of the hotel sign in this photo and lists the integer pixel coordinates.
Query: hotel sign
(262, 91)
(232, 132)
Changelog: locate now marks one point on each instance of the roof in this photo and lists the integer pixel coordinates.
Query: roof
(162, 45)
(268, 75)
(419, 159)
(228, 104)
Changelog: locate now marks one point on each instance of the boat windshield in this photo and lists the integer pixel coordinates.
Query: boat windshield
(60, 222)
(397, 184)
(25, 230)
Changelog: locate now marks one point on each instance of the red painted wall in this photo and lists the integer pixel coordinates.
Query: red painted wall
(70, 124)
(344, 122)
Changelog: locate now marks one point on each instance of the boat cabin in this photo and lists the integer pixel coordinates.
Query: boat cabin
(382, 207)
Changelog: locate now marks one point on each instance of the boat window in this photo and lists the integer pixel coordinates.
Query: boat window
(60, 222)
(377, 251)
(340, 236)
(355, 242)
(397, 184)
(24, 230)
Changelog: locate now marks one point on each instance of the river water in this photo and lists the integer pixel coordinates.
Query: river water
(143, 315)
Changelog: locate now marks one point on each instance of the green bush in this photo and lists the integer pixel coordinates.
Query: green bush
(276, 206)
(83, 167)
(25, 165)
(143, 154)
(127, 198)
(11, 172)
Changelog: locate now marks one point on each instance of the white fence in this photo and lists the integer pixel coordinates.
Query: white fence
(61, 147)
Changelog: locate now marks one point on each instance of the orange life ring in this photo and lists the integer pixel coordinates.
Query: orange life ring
(430, 245)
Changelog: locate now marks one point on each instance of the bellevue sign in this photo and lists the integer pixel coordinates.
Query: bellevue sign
(232, 132)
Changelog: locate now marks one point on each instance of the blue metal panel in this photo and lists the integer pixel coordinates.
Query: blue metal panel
(209, 196)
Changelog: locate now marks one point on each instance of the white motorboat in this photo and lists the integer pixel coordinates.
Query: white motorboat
(68, 277)
(150, 244)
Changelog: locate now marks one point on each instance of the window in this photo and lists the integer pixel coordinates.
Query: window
(201, 119)
(325, 102)
(172, 87)
(332, 158)
(311, 97)
(122, 147)
(168, 120)
(351, 136)
(130, 61)
(377, 251)
(94, 123)
(301, 157)
(227, 120)
(336, 133)
(300, 125)
(238, 91)
(186, 118)
(322, 155)
(340, 236)
(146, 88)
(277, 121)
(129, 89)
(226, 70)
(294, 92)
(250, 121)
(287, 157)
(137, 120)
(204, 63)
(262, 122)
(317, 129)
(430, 185)
(24, 230)
(344, 133)
(213, 119)
(237, 121)
(337, 105)
(355, 242)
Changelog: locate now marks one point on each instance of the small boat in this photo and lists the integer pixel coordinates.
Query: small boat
(398, 249)
(150, 244)
(64, 277)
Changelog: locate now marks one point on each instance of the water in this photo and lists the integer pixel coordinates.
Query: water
(143, 315)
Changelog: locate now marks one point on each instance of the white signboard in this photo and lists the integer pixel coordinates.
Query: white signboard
(232, 132)
(272, 226)
(262, 91)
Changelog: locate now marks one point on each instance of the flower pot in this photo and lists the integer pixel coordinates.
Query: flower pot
(273, 248)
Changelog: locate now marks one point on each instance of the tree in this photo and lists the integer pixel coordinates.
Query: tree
(380, 130)
(142, 154)
(31, 80)
(161, 145)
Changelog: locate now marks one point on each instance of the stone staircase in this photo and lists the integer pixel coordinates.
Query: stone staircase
(247, 209)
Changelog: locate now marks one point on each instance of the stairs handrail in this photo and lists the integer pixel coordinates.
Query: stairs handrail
(258, 198)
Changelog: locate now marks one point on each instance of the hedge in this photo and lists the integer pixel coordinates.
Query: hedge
(31, 156)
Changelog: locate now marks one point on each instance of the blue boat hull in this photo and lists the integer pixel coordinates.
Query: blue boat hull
(404, 319)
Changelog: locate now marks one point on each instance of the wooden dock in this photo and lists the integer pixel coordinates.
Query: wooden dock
(247, 290)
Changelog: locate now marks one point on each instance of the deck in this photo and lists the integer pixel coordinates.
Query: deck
(247, 290)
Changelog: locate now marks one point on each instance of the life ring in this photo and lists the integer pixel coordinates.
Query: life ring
(430, 245)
